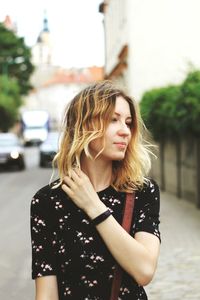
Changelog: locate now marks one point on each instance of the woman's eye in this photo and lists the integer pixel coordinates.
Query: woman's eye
(114, 119)
(128, 125)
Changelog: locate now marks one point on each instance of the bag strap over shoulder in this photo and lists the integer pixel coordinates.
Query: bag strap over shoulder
(126, 224)
(128, 211)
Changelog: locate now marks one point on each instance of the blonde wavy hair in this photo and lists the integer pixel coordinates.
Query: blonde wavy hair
(86, 119)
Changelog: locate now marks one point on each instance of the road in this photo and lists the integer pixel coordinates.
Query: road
(16, 191)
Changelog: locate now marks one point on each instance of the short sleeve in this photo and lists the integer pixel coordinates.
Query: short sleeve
(148, 209)
(43, 238)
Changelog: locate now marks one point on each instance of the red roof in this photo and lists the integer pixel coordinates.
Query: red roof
(85, 75)
(9, 24)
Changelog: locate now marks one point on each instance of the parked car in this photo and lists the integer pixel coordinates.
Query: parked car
(11, 151)
(48, 149)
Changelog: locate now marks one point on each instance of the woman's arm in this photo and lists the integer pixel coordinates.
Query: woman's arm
(138, 256)
(46, 288)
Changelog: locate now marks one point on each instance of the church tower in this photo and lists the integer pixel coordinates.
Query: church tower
(42, 50)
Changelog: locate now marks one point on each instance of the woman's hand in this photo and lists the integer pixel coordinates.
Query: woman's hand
(81, 191)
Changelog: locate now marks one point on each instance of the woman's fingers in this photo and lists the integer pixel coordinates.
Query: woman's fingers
(67, 190)
(75, 175)
(69, 182)
(77, 170)
(72, 182)
(68, 186)
(80, 189)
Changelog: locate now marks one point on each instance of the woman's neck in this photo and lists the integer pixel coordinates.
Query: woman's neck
(99, 171)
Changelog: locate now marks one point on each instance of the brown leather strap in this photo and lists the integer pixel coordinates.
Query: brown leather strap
(126, 224)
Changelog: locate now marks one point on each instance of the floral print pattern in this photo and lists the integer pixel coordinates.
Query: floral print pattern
(65, 244)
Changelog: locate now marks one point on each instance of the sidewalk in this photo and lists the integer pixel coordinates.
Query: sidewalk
(178, 273)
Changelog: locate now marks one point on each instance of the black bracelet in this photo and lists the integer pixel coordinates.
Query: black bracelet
(101, 217)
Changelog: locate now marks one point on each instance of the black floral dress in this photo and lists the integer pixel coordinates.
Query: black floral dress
(65, 244)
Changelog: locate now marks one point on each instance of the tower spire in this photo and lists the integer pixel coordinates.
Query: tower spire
(45, 23)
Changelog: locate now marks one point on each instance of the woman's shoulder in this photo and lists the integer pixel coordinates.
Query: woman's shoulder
(41, 203)
(151, 184)
(47, 191)
(150, 190)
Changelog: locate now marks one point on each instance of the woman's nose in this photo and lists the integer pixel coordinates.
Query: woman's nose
(124, 130)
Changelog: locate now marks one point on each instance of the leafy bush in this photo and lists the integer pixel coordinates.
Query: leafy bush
(158, 109)
(190, 106)
(173, 111)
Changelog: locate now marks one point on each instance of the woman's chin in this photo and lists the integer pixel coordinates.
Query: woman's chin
(119, 156)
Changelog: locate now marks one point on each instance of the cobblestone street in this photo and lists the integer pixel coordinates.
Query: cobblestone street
(178, 273)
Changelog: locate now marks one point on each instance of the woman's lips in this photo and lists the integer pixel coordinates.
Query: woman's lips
(121, 145)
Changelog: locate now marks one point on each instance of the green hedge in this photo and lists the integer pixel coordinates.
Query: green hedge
(173, 111)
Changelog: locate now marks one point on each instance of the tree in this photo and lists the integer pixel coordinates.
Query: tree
(10, 101)
(15, 71)
(15, 59)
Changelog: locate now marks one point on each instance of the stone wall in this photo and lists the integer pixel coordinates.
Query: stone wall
(178, 172)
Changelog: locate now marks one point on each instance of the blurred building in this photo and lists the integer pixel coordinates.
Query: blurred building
(53, 93)
(150, 43)
(53, 86)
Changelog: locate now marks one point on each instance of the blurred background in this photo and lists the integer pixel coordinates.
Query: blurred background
(48, 52)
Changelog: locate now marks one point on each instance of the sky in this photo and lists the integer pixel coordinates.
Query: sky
(76, 28)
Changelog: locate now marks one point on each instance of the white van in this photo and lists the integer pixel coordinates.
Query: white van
(35, 126)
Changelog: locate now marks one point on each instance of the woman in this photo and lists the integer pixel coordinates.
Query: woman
(101, 157)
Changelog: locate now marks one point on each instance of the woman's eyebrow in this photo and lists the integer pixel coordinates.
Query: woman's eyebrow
(118, 114)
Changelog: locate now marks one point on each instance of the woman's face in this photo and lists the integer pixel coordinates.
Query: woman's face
(117, 135)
